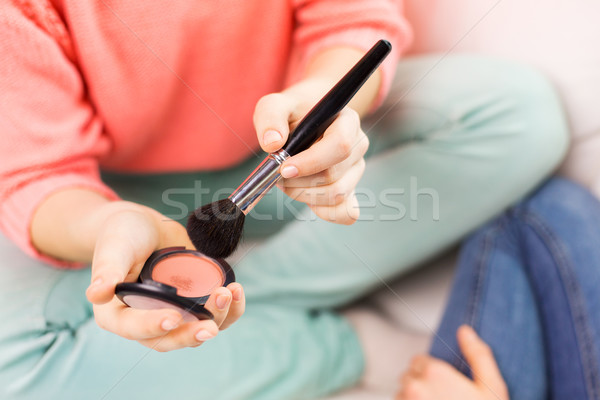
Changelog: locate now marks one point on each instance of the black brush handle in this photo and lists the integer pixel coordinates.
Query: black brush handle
(318, 119)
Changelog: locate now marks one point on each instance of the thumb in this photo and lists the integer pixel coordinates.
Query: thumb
(480, 357)
(271, 121)
(124, 243)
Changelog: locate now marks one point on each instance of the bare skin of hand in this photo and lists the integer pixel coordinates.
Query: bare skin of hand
(117, 237)
(429, 378)
(125, 241)
(325, 175)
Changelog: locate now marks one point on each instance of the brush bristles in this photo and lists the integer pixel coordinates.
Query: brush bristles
(216, 228)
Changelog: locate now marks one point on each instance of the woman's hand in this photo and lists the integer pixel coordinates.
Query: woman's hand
(77, 224)
(431, 379)
(125, 240)
(325, 175)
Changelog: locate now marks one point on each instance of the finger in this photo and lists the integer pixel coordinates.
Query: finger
(191, 334)
(127, 239)
(135, 324)
(237, 307)
(326, 177)
(481, 360)
(218, 304)
(418, 365)
(407, 377)
(332, 194)
(412, 388)
(271, 121)
(345, 213)
(342, 138)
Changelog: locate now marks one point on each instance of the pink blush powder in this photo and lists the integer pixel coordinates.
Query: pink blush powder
(192, 276)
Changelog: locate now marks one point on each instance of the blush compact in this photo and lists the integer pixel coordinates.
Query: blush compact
(179, 279)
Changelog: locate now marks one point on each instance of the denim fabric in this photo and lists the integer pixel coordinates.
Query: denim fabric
(528, 282)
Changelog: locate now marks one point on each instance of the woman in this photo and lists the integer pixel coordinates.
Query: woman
(158, 98)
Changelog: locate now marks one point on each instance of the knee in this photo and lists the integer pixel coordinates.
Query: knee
(562, 200)
(537, 110)
(516, 107)
(516, 103)
(526, 127)
(527, 106)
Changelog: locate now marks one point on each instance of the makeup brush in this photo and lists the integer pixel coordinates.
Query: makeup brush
(216, 228)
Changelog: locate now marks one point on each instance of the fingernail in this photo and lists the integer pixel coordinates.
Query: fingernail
(271, 136)
(238, 294)
(168, 325)
(95, 284)
(469, 332)
(289, 171)
(222, 301)
(204, 335)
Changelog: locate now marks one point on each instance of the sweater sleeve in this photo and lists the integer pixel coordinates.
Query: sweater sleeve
(320, 24)
(50, 137)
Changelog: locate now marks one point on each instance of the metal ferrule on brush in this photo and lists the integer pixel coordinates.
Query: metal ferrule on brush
(260, 181)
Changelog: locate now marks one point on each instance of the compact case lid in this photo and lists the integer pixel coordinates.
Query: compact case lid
(163, 293)
(147, 287)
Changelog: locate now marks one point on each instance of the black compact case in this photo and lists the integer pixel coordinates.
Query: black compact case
(148, 293)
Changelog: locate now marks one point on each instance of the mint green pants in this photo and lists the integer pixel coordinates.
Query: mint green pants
(465, 139)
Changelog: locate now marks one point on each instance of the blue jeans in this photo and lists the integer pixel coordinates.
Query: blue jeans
(528, 283)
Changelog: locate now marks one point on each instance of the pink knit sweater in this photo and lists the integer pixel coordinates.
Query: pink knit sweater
(152, 86)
